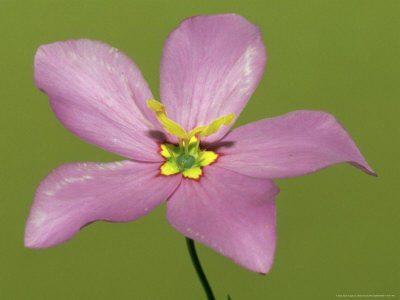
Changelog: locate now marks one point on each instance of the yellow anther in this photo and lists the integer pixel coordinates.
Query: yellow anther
(213, 127)
(169, 125)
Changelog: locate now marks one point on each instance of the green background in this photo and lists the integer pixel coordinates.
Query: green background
(338, 229)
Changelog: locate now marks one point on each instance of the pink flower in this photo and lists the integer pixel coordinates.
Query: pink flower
(217, 183)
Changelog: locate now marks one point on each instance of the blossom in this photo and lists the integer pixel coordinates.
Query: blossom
(217, 183)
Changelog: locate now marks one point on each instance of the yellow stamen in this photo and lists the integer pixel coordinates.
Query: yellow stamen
(213, 127)
(175, 129)
(169, 125)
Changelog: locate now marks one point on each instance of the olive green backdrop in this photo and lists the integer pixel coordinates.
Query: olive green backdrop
(338, 230)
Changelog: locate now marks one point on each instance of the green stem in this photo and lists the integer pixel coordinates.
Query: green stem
(199, 270)
(186, 143)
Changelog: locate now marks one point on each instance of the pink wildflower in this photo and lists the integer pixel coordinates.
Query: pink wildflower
(217, 183)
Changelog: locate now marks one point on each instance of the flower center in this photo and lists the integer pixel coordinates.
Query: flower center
(186, 157)
(186, 162)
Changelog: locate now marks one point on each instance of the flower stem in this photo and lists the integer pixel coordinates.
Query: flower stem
(199, 270)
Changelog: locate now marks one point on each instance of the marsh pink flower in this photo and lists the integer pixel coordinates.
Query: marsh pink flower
(217, 183)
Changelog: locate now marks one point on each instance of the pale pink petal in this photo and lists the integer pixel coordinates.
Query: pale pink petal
(99, 94)
(210, 66)
(230, 213)
(76, 194)
(298, 143)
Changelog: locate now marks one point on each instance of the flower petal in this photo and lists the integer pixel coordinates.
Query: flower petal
(298, 143)
(76, 194)
(230, 213)
(99, 94)
(209, 68)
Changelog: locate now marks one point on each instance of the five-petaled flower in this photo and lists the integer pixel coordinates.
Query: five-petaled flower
(217, 183)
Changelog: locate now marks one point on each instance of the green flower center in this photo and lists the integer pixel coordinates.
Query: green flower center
(185, 161)
(186, 158)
